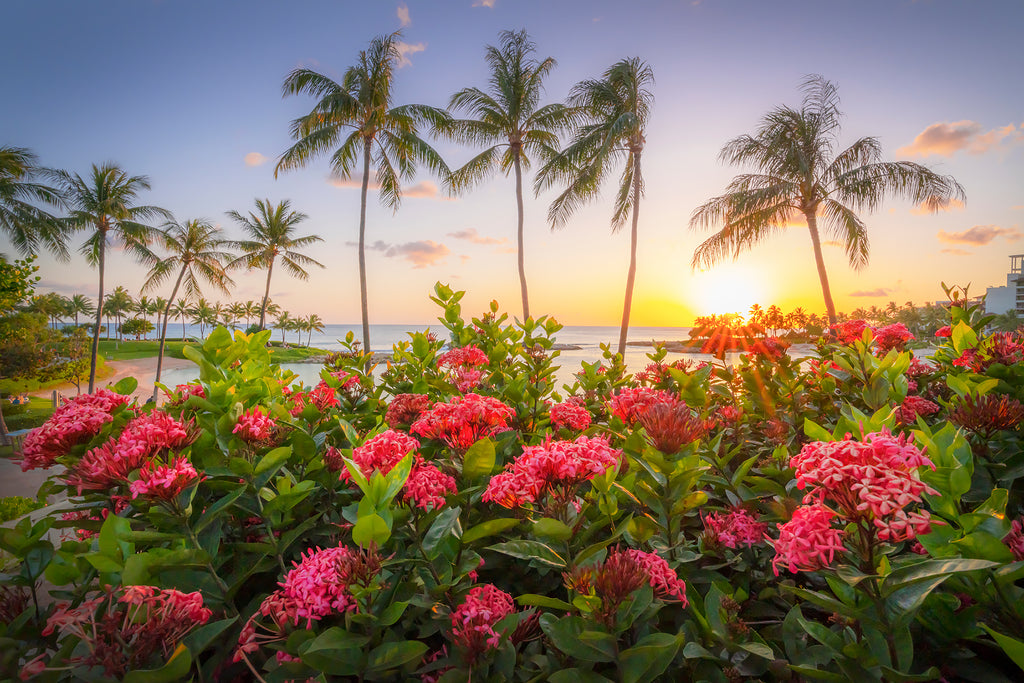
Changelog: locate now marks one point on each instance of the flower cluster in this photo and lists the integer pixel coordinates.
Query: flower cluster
(670, 426)
(556, 467)
(1015, 540)
(254, 425)
(734, 528)
(871, 481)
(988, 414)
(322, 396)
(462, 363)
(769, 348)
(405, 409)
(944, 331)
(913, 406)
(850, 331)
(426, 486)
(807, 542)
(464, 420)
(182, 392)
(893, 336)
(630, 403)
(164, 481)
(473, 621)
(71, 424)
(663, 579)
(571, 414)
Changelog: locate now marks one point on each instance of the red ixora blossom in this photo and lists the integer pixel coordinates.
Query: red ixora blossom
(850, 331)
(944, 331)
(426, 485)
(164, 481)
(72, 423)
(571, 414)
(404, 409)
(670, 426)
(807, 542)
(893, 336)
(556, 467)
(988, 414)
(462, 363)
(913, 406)
(1015, 539)
(123, 629)
(254, 425)
(473, 621)
(464, 420)
(182, 392)
(631, 402)
(734, 528)
(770, 348)
(663, 579)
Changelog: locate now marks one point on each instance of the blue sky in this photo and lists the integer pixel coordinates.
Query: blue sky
(189, 93)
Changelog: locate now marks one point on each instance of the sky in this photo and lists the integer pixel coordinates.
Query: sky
(188, 92)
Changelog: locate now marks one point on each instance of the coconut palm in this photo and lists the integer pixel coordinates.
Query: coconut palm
(235, 311)
(117, 304)
(507, 117)
(312, 323)
(27, 226)
(180, 310)
(81, 305)
(615, 110)
(283, 322)
(104, 203)
(250, 309)
(271, 230)
(195, 251)
(357, 117)
(203, 314)
(143, 307)
(798, 174)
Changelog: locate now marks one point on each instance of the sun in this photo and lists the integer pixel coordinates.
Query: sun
(726, 289)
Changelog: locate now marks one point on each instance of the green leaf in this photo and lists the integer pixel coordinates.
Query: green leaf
(1013, 648)
(489, 528)
(126, 387)
(649, 658)
(219, 508)
(928, 569)
(392, 655)
(203, 637)
(175, 669)
(534, 600)
(567, 634)
(816, 432)
(530, 550)
(273, 460)
(335, 652)
(371, 530)
(395, 479)
(575, 675)
(759, 649)
(479, 460)
(104, 563)
(552, 529)
(445, 525)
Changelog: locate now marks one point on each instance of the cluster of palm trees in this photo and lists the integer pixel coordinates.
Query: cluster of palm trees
(798, 172)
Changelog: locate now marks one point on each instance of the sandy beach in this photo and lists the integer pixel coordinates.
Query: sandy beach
(142, 369)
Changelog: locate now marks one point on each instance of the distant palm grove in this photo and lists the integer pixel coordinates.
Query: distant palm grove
(794, 172)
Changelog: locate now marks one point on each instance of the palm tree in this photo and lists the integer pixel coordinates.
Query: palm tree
(203, 314)
(272, 234)
(143, 307)
(799, 174)
(312, 323)
(507, 118)
(357, 113)
(26, 225)
(235, 311)
(117, 304)
(615, 111)
(283, 323)
(104, 204)
(250, 309)
(81, 305)
(180, 309)
(194, 251)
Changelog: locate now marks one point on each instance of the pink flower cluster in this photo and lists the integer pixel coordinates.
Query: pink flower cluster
(850, 331)
(322, 396)
(164, 481)
(254, 425)
(464, 420)
(144, 437)
(71, 424)
(893, 336)
(462, 363)
(571, 414)
(182, 392)
(348, 380)
(631, 402)
(426, 486)
(872, 481)
(734, 528)
(944, 331)
(769, 348)
(666, 583)
(473, 621)
(1015, 539)
(807, 542)
(404, 409)
(555, 465)
(913, 406)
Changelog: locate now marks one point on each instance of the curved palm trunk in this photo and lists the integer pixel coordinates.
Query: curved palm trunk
(362, 247)
(99, 317)
(163, 331)
(519, 235)
(266, 295)
(631, 274)
(812, 226)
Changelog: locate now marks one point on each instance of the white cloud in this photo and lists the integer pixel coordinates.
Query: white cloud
(421, 253)
(946, 139)
(406, 49)
(254, 159)
(872, 293)
(980, 235)
(421, 190)
(471, 235)
(484, 3)
(957, 252)
(403, 15)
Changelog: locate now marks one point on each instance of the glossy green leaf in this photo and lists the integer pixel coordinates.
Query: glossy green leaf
(530, 550)
(479, 460)
(648, 659)
(393, 655)
(489, 528)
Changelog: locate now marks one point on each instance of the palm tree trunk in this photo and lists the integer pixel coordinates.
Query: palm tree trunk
(99, 317)
(182, 328)
(163, 331)
(362, 246)
(519, 233)
(812, 226)
(631, 274)
(266, 295)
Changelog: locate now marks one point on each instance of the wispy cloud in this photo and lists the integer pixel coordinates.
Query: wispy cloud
(406, 49)
(353, 183)
(957, 252)
(869, 293)
(946, 139)
(484, 3)
(1017, 207)
(505, 250)
(471, 235)
(62, 288)
(832, 243)
(254, 159)
(980, 235)
(403, 15)
(424, 189)
(421, 253)
(951, 205)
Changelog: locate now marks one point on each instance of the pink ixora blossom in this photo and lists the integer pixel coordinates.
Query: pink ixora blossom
(426, 485)
(473, 621)
(464, 420)
(893, 336)
(630, 402)
(404, 409)
(670, 426)
(913, 406)
(254, 425)
(807, 542)
(944, 331)
(769, 348)
(734, 528)
(1015, 539)
(164, 481)
(73, 423)
(663, 579)
(571, 414)
(461, 364)
(850, 331)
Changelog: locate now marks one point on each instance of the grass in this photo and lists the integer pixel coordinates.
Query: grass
(148, 348)
(13, 507)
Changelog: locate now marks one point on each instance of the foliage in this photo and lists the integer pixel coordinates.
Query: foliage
(136, 327)
(17, 282)
(438, 518)
(13, 507)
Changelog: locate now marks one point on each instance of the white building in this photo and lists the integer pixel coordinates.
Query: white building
(1011, 297)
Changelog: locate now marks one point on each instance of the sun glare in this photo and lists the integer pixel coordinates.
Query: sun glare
(726, 290)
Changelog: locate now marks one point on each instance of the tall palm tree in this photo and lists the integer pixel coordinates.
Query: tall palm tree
(251, 308)
(143, 307)
(507, 117)
(798, 174)
(357, 116)
(283, 322)
(194, 250)
(615, 110)
(180, 310)
(117, 304)
(312, 323)
(25, 224)
(104, 203)
(235, 311)
(271, 230)
(203, 314)
(81, 305)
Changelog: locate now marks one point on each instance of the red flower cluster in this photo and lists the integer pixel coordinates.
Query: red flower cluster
(1015, 540)
(571, 414)
(850, 331)
(944, 331)
(348, 380)
(426, 486)
(893, 336)
(464, 420)
(322, 396)
(254, 425)
(630, 403)
(555, 466)
(913, 406)
(873, 481)
(404, 409)
(182, 392)
(769, 348)
(807, 542)
(73, 423)
(164, 481)
(666, 583)
(734, 528)
(669, 426)
(461, 362)
(122, 630)
(473, 621)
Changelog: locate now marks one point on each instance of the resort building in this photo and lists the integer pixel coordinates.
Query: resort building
(1011, 297)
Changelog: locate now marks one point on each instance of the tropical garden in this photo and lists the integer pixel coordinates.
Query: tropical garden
(458, 514)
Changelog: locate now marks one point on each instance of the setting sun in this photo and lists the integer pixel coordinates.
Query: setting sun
(725, 289)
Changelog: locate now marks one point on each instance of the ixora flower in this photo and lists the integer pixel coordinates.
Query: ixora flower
(893, 336)
(850, 331)
(71, 424)
(630, 402)
(988, 414)
(1015, 539)
(164, 481)
(405, 409)
(473, 621)
(734, 528)
(944, 331)
(670, 426)
(254, 425)
(807, 542)
(464, 420)
(426, 486)
(571, 414)
(462, 363)
(769, 348)
(122, 630)
(555, 468)
(913, 406)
